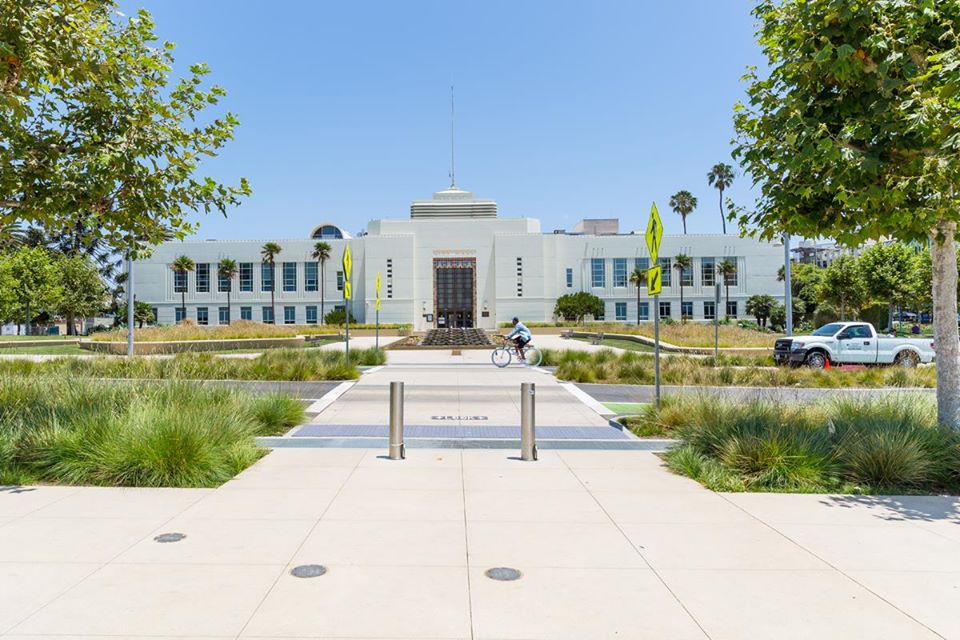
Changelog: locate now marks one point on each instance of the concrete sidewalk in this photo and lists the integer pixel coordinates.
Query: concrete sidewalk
(609, 544)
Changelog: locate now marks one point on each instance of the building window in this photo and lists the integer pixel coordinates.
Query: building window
(732, 308)
(731, 279)
(246, 276)
(267, 315)
(203, 277)
(289, 315)
(266, 276)
(619, 272)
(312, 314)
(289, 276)
(621, 311)
(179, 314)
(709, 310)
(339, 280)
(666, 265)
(389, 277)
(644, 265)
(203, 316)
(246, 313)
(686, 310)
(708, 272)
(644, 311)
(310, 279)
(156, 313)
(686, 276)
(596, 273)
(569, 278)
(224, 315)
(179, 282)
(223, 284)
(664, 309)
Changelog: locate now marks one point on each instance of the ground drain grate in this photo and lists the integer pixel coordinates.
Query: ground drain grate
(308, 571)
(505, 574)
(170, 537)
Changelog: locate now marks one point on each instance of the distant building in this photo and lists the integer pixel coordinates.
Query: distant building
(454, 262)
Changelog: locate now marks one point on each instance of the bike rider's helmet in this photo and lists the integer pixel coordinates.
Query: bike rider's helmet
(516, 320)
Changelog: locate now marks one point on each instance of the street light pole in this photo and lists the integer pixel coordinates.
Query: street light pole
(788, 289)
(130, 303)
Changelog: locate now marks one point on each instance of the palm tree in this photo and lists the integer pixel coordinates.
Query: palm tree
(721, 177)
(683, 203)
(228, 271)
(11, 235)
(638, 277)
(725, 269)
(269, 252)
(321, 253)
(183, 265)
(681, 262)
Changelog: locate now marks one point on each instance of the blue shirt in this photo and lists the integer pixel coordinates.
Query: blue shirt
(521, 330)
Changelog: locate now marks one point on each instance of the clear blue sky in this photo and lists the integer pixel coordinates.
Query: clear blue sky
(564, 109)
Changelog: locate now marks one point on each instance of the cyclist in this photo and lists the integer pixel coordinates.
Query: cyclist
(521, 336)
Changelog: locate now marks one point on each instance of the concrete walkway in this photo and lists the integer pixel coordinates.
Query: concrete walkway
(609, 544)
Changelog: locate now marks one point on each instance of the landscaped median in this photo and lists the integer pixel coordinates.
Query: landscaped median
(237, 330)
(65, 430)
(281, 364)
(891, 445)
(610, 367)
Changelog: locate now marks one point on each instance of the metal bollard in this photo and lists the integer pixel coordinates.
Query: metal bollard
(528, 438)
(397, 451)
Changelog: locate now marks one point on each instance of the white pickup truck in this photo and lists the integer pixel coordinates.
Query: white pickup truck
(851, 343)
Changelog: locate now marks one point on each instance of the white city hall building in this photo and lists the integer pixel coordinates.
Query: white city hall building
(455, 263)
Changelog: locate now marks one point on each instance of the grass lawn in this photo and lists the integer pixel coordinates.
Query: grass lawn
(52, 350)
(625, 407)
(31, 338)
(616, 343)
(63, 430)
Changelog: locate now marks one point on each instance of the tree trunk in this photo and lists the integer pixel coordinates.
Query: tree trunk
(890, 316)
(726, 310)
(843, 316)
(943, 254)
(27, 309)
(638, 304)
(323, 271)
(229, 313)
(723, 218)
(183, 305)
(273, 293)
(71, 327)
(681, 298)
(684, 224)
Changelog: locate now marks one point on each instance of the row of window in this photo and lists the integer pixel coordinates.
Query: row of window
(288, 271)
(708, 270)
(246, 313)
(686, 310)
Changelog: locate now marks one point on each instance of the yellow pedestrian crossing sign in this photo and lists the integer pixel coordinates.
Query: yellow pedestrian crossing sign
(378, 291)
(655, 280)
(654, 233)
(347, 270)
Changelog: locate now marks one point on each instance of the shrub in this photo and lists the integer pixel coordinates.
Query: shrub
(338, 317)
(275, 413)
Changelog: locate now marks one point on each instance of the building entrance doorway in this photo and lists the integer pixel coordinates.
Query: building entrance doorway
(454, 292)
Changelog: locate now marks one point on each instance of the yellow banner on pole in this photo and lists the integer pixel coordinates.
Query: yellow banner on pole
(378, 291)
(347, 270)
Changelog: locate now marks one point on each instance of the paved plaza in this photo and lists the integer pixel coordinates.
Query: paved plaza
(608, 543)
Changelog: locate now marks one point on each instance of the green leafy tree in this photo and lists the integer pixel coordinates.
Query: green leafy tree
(850, 132)
(8, 303)
(573, 307)
(95, 127)
(269, 254)
(143, 313)
(83, 291)
(682, 263)
(726, 270)
(183, 265)
(889, 274)
(683, 204)
(843, 286)
(36, 287)
(321, 253)
(337, 317)
(806, 281)
(720, 177)
(228, 269)
(761, 307)
(638, 277)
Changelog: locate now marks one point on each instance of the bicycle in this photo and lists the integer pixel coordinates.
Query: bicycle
(502, 356)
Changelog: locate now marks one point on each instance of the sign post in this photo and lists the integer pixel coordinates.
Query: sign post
(347, 295)
(377, 333)
(654, 286)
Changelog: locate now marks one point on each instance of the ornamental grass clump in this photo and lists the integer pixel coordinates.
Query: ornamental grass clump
(59, 430)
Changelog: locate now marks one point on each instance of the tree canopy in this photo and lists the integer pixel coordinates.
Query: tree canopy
(574, 306)
(95, 129)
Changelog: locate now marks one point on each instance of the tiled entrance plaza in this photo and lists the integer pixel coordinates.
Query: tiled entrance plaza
(608, 542)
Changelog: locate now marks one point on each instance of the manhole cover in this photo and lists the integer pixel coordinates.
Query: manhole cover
(308, 571)
(170, 537)
(503, 573)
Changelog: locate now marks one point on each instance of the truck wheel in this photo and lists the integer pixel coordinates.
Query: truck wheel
(816, 360)
(907, 359)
